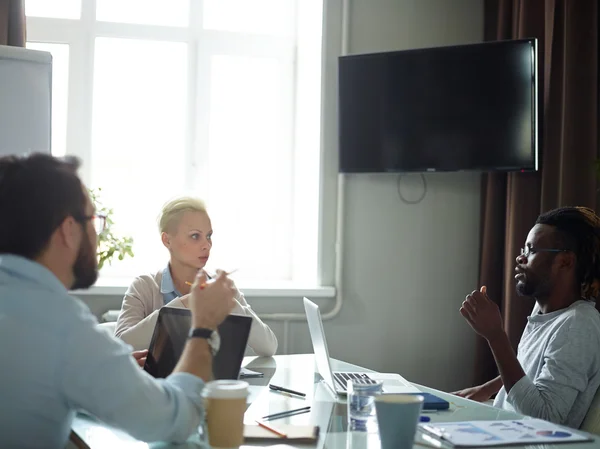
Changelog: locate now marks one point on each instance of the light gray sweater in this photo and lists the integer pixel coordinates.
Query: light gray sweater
(560, 354)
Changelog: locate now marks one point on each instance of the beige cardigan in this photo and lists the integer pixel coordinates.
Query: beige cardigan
(143, 299)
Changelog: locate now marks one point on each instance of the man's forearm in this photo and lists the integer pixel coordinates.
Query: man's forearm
(508, 365)
(493, 386)
(196, 359)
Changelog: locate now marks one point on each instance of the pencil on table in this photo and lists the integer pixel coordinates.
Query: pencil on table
(272, 429)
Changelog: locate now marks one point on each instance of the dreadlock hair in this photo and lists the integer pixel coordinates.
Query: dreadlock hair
(578, 230)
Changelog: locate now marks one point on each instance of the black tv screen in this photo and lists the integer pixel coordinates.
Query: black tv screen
(467, 107)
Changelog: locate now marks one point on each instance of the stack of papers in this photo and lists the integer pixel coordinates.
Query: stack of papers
(501, 433)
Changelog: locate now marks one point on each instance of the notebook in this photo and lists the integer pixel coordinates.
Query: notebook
(295, 434)
(433, 402)
(500, 433)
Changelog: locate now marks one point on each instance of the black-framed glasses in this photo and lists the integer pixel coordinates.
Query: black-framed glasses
(529, 250)
(98, 220)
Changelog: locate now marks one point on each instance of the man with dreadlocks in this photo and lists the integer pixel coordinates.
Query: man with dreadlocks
(556, 372)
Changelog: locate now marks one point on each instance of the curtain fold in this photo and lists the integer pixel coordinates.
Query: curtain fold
(12, 23)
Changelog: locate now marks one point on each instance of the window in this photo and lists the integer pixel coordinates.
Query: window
(219, 99)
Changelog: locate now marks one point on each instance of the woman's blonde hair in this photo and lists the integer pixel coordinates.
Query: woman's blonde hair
(174, 209)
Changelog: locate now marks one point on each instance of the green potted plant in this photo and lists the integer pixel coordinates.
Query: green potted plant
(109, 244)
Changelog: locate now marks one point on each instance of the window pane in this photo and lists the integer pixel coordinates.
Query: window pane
(250, 200)
(60, 92)
(138, 139)
(271, 17)
(61, 9)
(150, 12)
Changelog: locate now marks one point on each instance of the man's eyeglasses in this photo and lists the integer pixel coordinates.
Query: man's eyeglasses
(99, 222)
(529, 250)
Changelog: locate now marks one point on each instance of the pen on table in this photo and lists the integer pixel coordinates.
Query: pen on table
(287, 413)
(286, 390)
(272, 429)
(289, 395)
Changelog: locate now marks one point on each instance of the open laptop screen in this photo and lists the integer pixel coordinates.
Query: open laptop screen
(171, 332)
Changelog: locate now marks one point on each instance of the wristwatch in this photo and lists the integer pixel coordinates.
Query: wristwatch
(212, 337)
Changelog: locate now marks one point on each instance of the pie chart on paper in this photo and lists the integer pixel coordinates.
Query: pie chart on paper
(553, 433)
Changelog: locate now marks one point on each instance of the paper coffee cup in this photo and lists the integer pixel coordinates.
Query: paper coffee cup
(225, 404)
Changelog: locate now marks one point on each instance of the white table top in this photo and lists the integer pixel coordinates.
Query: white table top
(298, 373)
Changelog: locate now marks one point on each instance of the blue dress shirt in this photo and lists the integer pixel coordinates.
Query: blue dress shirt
(167, 286)
(54, 360)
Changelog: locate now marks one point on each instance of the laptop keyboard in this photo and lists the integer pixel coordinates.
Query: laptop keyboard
(341, 379)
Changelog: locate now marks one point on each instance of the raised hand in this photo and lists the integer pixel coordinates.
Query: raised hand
(482, 314)
(211, 302)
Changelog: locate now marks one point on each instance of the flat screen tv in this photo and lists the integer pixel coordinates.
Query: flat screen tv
(458, 108)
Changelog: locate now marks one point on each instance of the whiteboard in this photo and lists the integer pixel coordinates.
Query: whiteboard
(25, 101)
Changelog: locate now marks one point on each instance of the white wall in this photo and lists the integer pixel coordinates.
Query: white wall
(406, 267)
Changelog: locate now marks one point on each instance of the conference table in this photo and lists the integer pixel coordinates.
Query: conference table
(298, 372)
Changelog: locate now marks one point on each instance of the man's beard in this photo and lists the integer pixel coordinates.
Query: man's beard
(533, 286)
(85, 268)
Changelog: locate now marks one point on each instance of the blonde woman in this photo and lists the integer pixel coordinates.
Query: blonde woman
(186, 231)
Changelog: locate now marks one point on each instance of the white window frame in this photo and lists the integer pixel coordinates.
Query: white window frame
(80, 36)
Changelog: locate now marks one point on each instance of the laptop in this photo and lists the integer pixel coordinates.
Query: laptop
(171, 333)
(337, 381)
